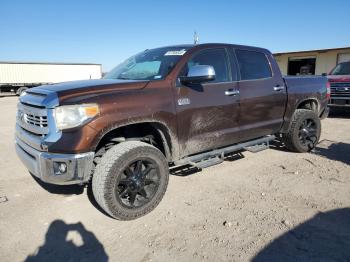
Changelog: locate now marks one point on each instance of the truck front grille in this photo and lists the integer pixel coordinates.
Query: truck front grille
(40, 121)
(32, 119)
(340, 89)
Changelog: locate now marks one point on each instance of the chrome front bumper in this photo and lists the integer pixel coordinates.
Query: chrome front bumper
(44, 165)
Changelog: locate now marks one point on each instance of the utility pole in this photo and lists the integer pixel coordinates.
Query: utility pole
(195, 38)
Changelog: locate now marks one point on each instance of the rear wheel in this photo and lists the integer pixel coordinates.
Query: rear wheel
(130, 180)
(304, 131)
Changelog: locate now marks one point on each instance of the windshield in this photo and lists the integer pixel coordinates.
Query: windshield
(341, 69)
(153, 64)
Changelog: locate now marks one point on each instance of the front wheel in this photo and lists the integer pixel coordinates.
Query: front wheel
(304, 131)
(130, 180)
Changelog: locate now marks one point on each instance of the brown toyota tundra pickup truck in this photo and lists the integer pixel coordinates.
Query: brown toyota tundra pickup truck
(164, 108)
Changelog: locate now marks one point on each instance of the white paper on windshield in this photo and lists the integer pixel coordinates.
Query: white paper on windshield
(176, 52)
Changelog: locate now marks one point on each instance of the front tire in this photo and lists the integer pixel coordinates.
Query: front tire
(130, 180)
(304, 131)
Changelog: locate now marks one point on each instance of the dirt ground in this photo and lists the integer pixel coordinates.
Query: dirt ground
(269, 206)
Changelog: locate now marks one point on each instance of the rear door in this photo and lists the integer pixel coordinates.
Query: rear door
(262, 95)
(207, 114)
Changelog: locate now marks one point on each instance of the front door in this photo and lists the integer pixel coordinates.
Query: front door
(207, 114)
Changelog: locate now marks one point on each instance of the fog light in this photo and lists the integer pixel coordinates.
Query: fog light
(60, 168)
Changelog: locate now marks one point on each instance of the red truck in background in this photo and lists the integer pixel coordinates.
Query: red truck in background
(339, 79)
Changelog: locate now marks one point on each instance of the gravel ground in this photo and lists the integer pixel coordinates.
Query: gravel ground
(269, 206)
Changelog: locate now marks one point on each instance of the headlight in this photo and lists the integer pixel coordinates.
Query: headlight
(74, 115)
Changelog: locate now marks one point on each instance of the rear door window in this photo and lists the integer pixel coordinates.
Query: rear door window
(253, 65)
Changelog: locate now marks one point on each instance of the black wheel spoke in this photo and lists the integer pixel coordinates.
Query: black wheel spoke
(143, 193)
(124, 192)
(312, 131)
(149, 181)
(138, 167)
(147, 170)
(124, 182)
(128, 172)
(132, 198)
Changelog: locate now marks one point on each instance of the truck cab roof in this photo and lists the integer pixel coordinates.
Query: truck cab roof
(208, 45)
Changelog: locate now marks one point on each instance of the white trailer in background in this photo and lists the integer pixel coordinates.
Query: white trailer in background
(15, 77)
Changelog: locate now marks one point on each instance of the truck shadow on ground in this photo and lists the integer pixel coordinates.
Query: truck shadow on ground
(60, 246)
(338, 151)
(10, 95)
(341, 112)
(68, 190)
(60, 190)
(332, 150)
(325, 237)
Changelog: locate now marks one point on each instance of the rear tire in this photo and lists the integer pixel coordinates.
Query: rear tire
(130, 180)
(304, 131)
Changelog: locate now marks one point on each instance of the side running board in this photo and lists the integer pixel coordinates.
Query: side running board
(257, 148)
(216, 156)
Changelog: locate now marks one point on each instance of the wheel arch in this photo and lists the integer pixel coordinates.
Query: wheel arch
(309, 103)
(155, 133)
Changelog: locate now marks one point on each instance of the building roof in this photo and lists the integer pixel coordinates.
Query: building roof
(312, 51)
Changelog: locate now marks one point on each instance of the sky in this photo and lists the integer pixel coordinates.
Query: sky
(108, 32)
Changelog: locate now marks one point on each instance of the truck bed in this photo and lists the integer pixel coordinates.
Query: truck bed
(304, 88)
(306, 84)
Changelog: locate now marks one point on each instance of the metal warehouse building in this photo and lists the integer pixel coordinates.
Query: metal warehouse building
(312, 62)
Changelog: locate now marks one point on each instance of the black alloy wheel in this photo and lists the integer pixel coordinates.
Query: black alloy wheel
(308, 133)
(304, 131)
(138, 183)
(130, 180)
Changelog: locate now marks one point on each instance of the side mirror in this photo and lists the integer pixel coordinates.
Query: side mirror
(199, 74)
(324, 74)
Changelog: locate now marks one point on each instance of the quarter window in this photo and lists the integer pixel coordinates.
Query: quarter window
(217, 58)
(253, 65)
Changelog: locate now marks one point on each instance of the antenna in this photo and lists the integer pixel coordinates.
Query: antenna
(195, 38)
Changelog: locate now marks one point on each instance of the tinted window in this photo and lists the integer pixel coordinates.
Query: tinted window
(216, 58)
(253, 65)
(341, 69)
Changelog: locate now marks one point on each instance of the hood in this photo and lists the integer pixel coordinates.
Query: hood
(338, 78)
(83, 90)
(82, 85)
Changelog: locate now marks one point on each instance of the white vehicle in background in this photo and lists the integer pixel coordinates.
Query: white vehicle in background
(16, 77)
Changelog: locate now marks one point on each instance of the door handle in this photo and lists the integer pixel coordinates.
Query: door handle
(278, 88)
(231, 92)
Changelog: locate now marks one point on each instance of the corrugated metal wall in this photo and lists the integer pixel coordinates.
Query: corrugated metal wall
(47, 73)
